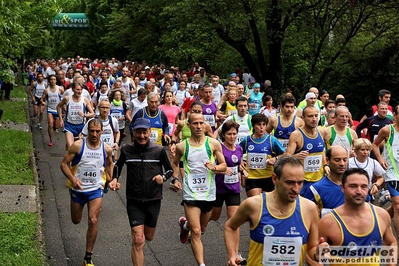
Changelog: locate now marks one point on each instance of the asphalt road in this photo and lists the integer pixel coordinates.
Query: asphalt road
(65, 242)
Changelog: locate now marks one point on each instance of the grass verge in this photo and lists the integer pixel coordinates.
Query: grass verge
(18, 242)
(15, 152)
(14, 111)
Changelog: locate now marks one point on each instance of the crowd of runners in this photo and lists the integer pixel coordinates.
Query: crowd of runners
(313, 176)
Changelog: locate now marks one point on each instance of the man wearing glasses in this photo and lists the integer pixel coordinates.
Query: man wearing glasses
(339, 134)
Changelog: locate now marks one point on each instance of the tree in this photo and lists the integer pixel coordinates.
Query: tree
(300, 42)
(22, 25)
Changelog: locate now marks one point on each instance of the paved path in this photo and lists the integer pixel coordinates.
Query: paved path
(65, 242)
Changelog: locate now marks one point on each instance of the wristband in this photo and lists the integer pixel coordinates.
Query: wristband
(173, 179)
(378, 187)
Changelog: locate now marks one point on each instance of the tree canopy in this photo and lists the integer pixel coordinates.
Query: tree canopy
(335, 45)
(23, 27)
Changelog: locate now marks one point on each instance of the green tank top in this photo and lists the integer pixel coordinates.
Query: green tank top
(185, 132)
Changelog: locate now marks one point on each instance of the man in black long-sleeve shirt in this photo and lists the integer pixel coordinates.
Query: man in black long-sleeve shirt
(375, 123)
(146, 163)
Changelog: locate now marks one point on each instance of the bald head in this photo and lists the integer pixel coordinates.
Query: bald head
(315, 91)
(337, 159)
(232, 84)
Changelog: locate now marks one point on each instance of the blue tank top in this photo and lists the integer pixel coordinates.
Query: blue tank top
(293, 225)
(156, 126)
(258, 152)
(373, 238)
(283, 230)
(313, 162)
(284, 132)
(312, 145)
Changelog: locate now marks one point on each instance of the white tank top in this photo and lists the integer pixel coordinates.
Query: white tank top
(53, 99)
(137, 105)
(108, 134)
(127, 86)
(181, 95)
(198, 181)
(39, 88)
(90, 168)
(118, 112)
(73, 108)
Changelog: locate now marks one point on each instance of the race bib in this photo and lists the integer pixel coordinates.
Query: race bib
(395, 152)
(89, 175)
(256, 160)
(232, 179)
(284, 143)
(117, 115)
(281, 250)
(210, 119)
(53, 100)
(312, 163)
(171, 126)
(106, 140)
(198, 182)
(254, 106)
(74, 114)
(232, 112)
(240, 137)
(154, 136)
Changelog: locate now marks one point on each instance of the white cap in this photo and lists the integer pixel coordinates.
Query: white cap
(310, 95)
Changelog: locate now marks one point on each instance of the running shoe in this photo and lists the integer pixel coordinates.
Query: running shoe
(51, 143)
(39, 126)
(88, 263)
(183, 232)
(243, 261)
(56, 131)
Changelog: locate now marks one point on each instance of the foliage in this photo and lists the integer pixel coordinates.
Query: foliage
(301, 43)
(18, 243)
(15, 154)
(296, 42)
(23, 25)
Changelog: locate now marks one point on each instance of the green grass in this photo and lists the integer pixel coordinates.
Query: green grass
(15, 110)
(15, 152)
(18, 241)
(19, 92)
